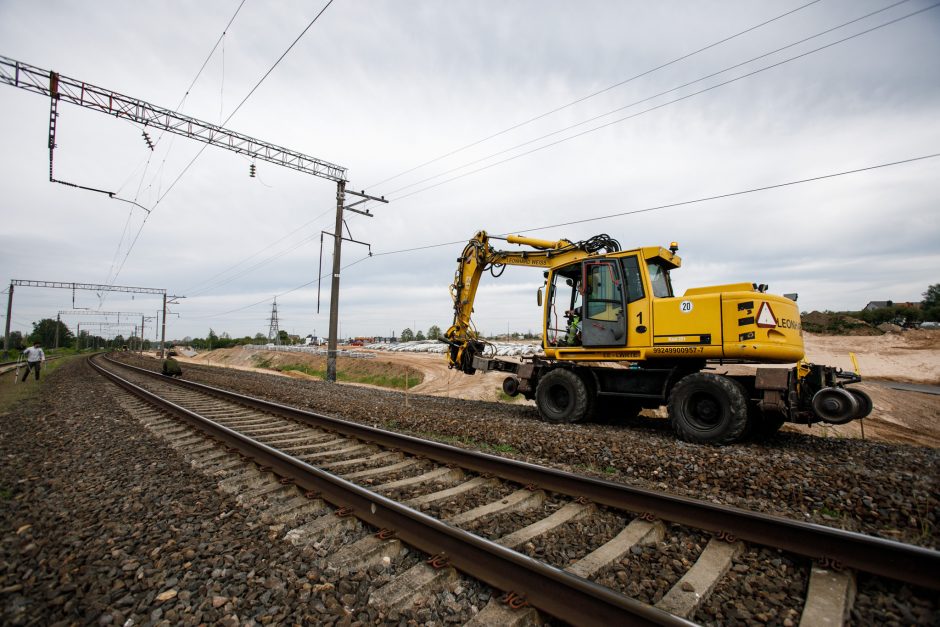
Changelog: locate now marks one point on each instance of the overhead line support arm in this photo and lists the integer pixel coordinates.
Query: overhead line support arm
(47, 83)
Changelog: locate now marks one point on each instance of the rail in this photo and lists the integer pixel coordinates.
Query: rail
(556, 592)
(888, 558)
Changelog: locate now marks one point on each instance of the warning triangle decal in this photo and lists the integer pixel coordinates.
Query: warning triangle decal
(765, 317)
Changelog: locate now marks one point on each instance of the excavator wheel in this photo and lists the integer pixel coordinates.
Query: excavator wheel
(562, 396)
(708, 409)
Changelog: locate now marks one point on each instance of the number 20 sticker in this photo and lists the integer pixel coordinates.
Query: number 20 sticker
(685, 306)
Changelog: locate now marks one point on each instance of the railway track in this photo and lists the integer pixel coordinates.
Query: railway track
(498, 520)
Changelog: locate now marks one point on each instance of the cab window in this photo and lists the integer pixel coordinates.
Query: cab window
(605, 295)
(631, 270)
(659, 280)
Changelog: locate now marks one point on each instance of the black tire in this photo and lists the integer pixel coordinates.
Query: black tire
(562, 396)
(865, 404)
(708, 409)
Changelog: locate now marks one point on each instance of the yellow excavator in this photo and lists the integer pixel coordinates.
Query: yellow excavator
(616, 340)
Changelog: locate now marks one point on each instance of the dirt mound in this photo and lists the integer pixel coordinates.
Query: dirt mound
(829, 323)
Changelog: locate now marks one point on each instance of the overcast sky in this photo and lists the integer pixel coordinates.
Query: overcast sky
(382, 87)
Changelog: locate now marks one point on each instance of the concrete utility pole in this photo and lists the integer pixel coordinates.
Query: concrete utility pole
(6, 334)
(163, 330)
(337, 246)
(334, 290)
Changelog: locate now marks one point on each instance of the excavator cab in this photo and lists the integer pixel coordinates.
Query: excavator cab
(604, 298)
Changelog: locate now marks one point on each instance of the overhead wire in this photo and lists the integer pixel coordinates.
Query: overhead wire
(201, 286)
(143, 175)
(803, 40)
(204, 146)
(244, 100)
(597, 93)
(660, 207)
(680, 203)
(657, 95)
(665, 104)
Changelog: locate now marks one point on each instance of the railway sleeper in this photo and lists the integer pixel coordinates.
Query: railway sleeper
(571, 511)
(322, 528)
(295, 508)
(414, 585)
(365, 553)
(829, 598)
(466, 486)
(518, 501)
(698, 582)
(438, 475)
(497, 613)
(638, 532)
(382, 470)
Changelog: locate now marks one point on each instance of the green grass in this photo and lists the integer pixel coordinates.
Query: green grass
(468, 441)
(6, 494)
(505, 398)
(14, 393)
(382, 380)
(606, 470)
(831, 513)
(262, 362)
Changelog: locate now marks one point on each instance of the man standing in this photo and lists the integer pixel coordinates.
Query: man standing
(34, 359)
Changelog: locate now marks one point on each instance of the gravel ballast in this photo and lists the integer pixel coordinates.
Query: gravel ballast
(125, 531)
(103, 523)
(876, 488)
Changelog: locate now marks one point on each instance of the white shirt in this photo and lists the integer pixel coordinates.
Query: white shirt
(34, 354)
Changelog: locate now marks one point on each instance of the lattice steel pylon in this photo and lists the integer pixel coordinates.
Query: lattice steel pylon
(274, 331)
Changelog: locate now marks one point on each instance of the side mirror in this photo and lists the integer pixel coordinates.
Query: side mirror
(538, 298)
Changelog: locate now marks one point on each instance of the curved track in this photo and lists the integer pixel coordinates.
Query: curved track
(334, 460)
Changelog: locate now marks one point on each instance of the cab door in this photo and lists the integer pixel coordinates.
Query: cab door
(603, 320)
(639, 322)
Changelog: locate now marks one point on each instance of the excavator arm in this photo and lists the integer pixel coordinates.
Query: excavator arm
(479, 256)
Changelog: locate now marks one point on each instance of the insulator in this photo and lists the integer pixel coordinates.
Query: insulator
(147, 139)
(251, 170)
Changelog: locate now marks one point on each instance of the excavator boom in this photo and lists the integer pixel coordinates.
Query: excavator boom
(479, 256)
